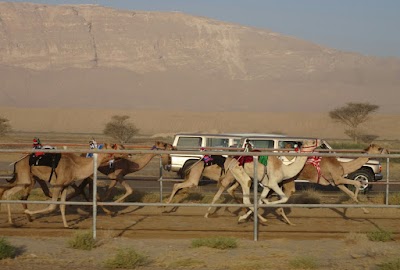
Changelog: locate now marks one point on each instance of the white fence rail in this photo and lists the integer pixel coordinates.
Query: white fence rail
(268, 152)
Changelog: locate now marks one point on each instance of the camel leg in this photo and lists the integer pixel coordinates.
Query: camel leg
(79, 189)
(282, 196)
(231, 190)
(245, 182)
(128, 191)
(112, 184)
(192, 181)
(7, 195)
(224, 183)
(62, 206)
(288, 188)
(44, 186)
(352, 195)
(264, 194)
(56, 193)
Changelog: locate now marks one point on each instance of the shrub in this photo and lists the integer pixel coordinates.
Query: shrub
(390, 265)
(306, 262)
(218, 242)
(6, 249)
(380, 236)
(83, 241)
(127, 258)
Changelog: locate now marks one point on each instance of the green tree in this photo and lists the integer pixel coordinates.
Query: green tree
(352, 115)
(120, 128)
(5, 127)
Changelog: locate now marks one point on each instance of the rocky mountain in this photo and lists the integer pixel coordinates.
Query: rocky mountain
(92, 56)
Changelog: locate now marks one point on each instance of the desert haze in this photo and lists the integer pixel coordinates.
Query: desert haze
(70, 68)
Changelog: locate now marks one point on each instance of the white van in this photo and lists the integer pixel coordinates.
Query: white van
(196, 141)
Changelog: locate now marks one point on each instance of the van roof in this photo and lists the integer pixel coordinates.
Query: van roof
(231, 134)
(281, 136)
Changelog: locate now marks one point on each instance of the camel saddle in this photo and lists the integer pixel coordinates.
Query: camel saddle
(45, 159)
(247, 159)
(214, 159)
(48, 159)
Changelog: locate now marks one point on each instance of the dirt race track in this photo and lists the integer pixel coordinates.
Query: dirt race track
(334, 240)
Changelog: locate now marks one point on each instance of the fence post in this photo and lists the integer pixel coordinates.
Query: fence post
(94, 195)
(161, 180)
(387, 181)
(255, 198)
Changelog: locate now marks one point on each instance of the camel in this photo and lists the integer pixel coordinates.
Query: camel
(225, 177)
(70, 168)
(271, 176)
(126, 165)
(329, 171)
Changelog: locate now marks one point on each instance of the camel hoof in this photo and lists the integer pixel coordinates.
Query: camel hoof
(242, 220)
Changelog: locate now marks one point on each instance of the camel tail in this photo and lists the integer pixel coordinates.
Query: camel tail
(14, 175)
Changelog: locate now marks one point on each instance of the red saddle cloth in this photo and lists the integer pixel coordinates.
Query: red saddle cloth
(245, 159)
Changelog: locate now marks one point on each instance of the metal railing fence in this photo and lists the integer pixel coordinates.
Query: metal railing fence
(255, 205)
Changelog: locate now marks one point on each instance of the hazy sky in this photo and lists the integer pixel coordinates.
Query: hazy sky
(370, 27)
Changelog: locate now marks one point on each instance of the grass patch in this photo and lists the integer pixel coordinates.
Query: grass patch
(83, 241)
(6, 249)
(37, 195)
(390, 265)
(187, 263)
(394, 198)
(380, 236)
(217, 242)
(304, 263)
(127, 258)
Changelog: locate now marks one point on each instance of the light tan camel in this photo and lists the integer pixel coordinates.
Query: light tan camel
(70, 168)
(331, 172)
(272, 175)
(126, 165)
(225, 176)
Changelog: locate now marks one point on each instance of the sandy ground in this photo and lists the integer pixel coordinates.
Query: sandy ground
(331, 238)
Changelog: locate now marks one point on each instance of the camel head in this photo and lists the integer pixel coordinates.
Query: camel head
(376, 149)
(310, 145)
(117, 146)
(165, 158)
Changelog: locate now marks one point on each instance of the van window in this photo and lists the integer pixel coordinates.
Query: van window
(189, 142)
(263, 143)
(289, 144)
(217, 142)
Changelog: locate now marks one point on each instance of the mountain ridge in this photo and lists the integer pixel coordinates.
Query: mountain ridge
(75, 56)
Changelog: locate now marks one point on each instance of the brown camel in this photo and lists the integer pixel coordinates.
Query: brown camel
(126, 165)
(328, 171)
(70, 168)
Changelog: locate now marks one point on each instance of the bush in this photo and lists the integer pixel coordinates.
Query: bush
(380, 236)
(390, 265)
(218, 242)
(6, 249)
(83, 241)
(127, 258)
(305, 262)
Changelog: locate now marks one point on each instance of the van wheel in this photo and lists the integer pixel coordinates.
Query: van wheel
(185, 167)
(364, 176)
